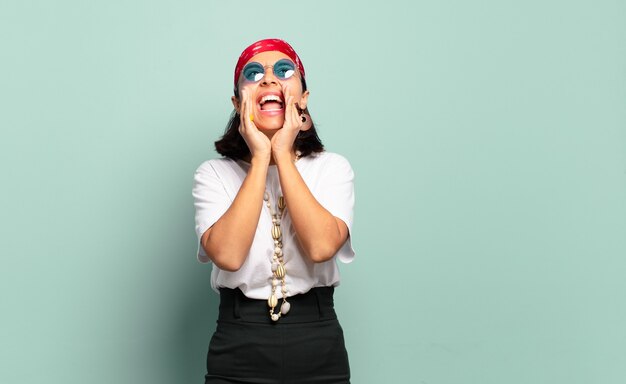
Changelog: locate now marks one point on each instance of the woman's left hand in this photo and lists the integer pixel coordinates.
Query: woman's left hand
(283, 139)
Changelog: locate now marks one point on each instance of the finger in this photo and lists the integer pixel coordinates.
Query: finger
(246, 112)
(293, 110)
(287, 95)
(241, 111)
(289, 112)
(286, 92)
(295, 114)
(249, 112)
(246, 116)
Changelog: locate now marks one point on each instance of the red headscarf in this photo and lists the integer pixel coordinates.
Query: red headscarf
(263, 46)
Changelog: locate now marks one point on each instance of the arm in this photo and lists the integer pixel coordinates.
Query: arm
(228, 241)
(320, 233)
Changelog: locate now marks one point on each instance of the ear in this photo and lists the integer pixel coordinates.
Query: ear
(235, 102)
(303, 100)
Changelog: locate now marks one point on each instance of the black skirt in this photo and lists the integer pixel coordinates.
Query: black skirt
(306, 346)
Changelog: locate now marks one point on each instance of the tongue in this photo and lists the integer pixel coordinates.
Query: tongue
(270, 105)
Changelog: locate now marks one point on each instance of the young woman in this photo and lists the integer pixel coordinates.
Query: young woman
(273, 215)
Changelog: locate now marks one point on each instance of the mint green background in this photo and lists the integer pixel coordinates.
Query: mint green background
(489, 143)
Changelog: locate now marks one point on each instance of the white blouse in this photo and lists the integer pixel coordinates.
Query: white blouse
(330, 179)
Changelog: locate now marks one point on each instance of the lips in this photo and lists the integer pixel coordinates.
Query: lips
(271, 102)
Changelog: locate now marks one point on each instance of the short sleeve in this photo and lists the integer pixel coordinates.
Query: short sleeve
(210, 200)
(336, 194)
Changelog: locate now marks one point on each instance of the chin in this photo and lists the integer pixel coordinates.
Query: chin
(271, 125)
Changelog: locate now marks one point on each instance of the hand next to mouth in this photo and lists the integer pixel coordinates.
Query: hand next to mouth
(259, 145)
(283, 139)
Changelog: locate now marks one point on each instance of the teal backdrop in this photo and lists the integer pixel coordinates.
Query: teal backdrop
(488, 140)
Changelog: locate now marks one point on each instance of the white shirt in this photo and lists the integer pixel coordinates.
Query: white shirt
(330, 179)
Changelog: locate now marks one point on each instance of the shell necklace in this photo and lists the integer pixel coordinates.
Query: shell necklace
(278, 260)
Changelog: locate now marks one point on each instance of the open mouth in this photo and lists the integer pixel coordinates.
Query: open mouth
(271, 102)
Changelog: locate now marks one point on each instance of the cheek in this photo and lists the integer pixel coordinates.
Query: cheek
(295, 87)
(293, 81)
(244, 85)
(250, 88)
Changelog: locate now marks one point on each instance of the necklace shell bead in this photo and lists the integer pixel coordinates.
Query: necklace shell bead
(276, 232)
(285, 307)
(280, 271)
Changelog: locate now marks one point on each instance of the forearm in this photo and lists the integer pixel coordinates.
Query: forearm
(319, 232)
(228, 241)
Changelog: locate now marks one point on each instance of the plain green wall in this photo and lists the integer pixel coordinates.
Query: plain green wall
(489, 143)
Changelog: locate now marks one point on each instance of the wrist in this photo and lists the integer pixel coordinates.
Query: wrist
(261, 159)
(282, 158)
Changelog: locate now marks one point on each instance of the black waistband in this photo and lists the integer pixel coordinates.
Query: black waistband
(315, 305)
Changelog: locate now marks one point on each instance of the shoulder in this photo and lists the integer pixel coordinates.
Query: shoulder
(328, 159)
(217, 166)
(326, 167)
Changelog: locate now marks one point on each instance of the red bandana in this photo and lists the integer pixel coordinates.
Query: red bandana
(263, 46)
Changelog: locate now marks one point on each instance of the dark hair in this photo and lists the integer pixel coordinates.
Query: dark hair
(233, 145)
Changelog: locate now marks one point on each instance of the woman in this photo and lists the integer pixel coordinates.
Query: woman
(272, 216)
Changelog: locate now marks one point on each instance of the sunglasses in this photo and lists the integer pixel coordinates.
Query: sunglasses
(283, 69)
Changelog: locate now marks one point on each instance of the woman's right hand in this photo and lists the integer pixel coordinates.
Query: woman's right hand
(259, 145)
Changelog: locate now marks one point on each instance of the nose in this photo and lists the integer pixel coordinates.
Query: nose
(269, 77)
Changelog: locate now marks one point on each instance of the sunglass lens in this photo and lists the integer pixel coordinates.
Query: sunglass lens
(284, 69)
(253, 72)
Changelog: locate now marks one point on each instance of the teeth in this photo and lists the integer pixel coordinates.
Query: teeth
(270, 98)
